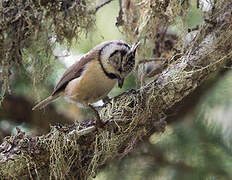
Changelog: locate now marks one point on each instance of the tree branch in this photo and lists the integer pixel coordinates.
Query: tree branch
(79, 151)
(18, 109)
(103, 4)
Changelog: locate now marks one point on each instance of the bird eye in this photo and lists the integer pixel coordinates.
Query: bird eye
(131, 58)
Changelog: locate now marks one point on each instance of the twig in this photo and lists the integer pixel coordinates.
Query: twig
(101, 5)
(119, 18)
(82, 132)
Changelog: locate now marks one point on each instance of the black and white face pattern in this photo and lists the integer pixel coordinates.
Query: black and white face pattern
(117, 59)
(128, 63)
(120, 57)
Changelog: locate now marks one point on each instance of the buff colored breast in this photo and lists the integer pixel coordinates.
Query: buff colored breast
(92, 86)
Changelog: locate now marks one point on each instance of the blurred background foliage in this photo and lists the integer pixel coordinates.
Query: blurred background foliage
(197, 142)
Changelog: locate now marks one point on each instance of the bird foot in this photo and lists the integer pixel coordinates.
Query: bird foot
(100, 124)
(106, 100)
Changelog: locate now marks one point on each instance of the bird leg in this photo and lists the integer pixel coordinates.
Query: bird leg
(99, 123)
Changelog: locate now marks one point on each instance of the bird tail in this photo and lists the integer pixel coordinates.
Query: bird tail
(45, 102)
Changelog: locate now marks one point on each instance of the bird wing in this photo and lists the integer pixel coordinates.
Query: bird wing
(71, 73)
(77, 68)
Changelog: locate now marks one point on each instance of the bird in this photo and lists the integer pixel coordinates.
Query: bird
(92, 77)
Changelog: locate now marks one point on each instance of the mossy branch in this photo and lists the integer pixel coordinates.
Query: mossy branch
(80, 151)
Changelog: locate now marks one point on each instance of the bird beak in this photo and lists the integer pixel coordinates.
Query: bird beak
(120, 82)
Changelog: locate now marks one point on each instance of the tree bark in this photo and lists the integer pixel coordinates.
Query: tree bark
(79, 151)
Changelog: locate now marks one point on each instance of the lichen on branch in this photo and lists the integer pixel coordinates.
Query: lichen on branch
(29, 31)
(79, 151)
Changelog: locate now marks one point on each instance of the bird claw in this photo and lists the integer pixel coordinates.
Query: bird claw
(106, 100)
(100, 124)
(132, 90)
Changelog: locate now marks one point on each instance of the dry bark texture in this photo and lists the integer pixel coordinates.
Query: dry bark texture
(79, 151)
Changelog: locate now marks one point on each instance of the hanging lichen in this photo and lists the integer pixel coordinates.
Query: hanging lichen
(29, 31)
